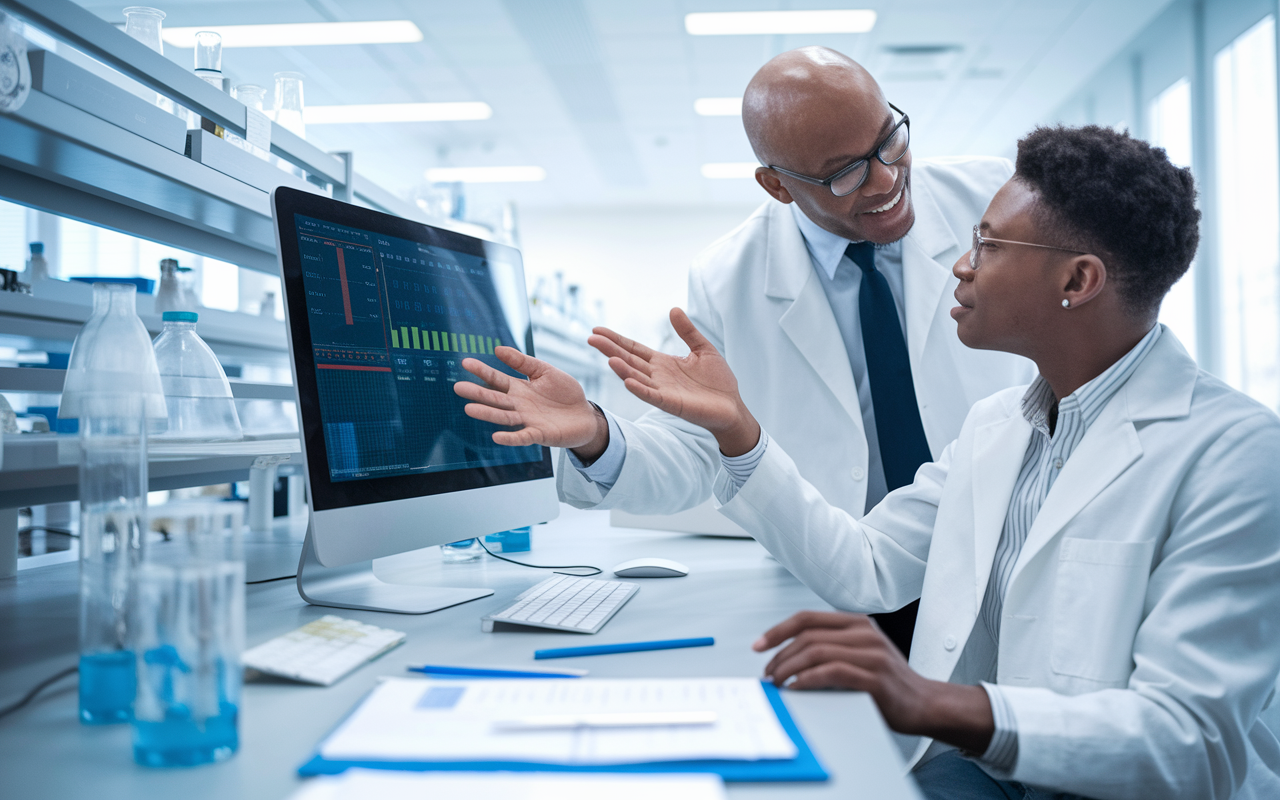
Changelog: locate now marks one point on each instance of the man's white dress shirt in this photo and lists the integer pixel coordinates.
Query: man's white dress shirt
(841, 280)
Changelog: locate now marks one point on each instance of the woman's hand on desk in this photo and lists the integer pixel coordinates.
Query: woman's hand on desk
(698, 388)
(837, 650)
(549, 409)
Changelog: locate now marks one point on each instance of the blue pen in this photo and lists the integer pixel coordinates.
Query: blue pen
(480, 672)
(633, 647)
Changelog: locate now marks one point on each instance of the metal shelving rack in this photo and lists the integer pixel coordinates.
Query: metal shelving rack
(54, 157)
(57, 158)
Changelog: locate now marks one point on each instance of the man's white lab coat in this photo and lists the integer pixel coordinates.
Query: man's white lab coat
(756, 296)
(1140, 633)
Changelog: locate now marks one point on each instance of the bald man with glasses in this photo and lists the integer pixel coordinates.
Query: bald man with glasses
(830, 304)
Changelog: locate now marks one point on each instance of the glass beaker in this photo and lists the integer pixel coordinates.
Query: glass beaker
(187, 631)
(209, 57)
(251, 95)
(113, 505)
(289, 106)
(144, 24)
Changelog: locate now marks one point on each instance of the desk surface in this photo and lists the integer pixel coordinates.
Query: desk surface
(734, 592)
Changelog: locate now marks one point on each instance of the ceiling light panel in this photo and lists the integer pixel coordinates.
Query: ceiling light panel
(397, 112)
(729, 170)
(485, 174)
(718, 106)
(301, 34)
(738, 23)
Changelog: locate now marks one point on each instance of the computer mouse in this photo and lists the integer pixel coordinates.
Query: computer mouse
(651, 568)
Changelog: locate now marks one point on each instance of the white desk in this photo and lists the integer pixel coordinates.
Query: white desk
(734, 592)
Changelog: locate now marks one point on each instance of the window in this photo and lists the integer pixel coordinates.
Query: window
(1249, 212)
(1169, 118)
(13, 237)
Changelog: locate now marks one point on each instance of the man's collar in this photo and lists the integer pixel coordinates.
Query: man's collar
(825, 248)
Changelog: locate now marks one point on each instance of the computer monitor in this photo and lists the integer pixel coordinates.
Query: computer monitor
(380, 313)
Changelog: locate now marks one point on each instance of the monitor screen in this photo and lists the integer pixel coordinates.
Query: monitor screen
(392, 307)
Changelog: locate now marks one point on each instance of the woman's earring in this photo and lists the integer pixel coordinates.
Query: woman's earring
(1066, 303)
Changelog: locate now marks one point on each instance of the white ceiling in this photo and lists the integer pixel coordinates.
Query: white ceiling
(600, 92)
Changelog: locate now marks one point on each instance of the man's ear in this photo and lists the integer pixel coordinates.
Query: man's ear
(768, 179)
(1085, 279)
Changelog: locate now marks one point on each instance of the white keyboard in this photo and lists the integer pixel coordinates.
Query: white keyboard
(566, 603)
(322, 651)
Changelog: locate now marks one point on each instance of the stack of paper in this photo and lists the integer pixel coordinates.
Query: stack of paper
(463, 721)
(361, 784)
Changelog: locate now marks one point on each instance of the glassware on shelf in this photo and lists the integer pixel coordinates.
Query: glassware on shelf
(112, 369)
(186, 627)
(196, 389)
(176, 292)
(461, 552)
(289, 106)
(113, 387)
(37, 267)
(255, 97)
(267, 308)
(144, 24)
(209, 58)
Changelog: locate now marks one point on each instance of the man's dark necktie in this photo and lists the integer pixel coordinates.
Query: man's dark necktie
(903, 447)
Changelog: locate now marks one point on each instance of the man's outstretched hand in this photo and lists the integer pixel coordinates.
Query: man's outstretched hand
(698, 388)
(549, 409)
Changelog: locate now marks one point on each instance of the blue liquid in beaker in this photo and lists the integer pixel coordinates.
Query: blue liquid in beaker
(180, 741)
(108, 682)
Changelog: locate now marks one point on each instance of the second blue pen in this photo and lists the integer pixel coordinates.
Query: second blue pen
(633, 647)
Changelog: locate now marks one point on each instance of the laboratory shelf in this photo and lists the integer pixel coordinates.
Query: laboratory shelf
(41, 468)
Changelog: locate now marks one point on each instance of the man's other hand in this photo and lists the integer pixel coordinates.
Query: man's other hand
(698, 388)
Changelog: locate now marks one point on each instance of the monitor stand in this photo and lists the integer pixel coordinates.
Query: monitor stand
(355, 586)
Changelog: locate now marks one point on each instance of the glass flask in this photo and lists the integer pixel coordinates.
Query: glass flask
(144, 24)
(289, 106)
(196, 389)
(112, 368)
(113, 387)
(186, 628)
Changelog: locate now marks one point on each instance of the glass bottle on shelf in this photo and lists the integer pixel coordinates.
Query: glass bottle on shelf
(173, 294)
(113, 387)
(37, 267)
(144, 23)
(196, 389)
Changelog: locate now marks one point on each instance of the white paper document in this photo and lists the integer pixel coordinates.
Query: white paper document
(407, 719)
(362, 784)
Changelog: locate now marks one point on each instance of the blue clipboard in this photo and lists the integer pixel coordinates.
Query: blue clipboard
(804, 767)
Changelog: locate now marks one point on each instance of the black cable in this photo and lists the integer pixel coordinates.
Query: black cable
(31, 695)
(270, 580)
(46, 529)
(540, 566)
